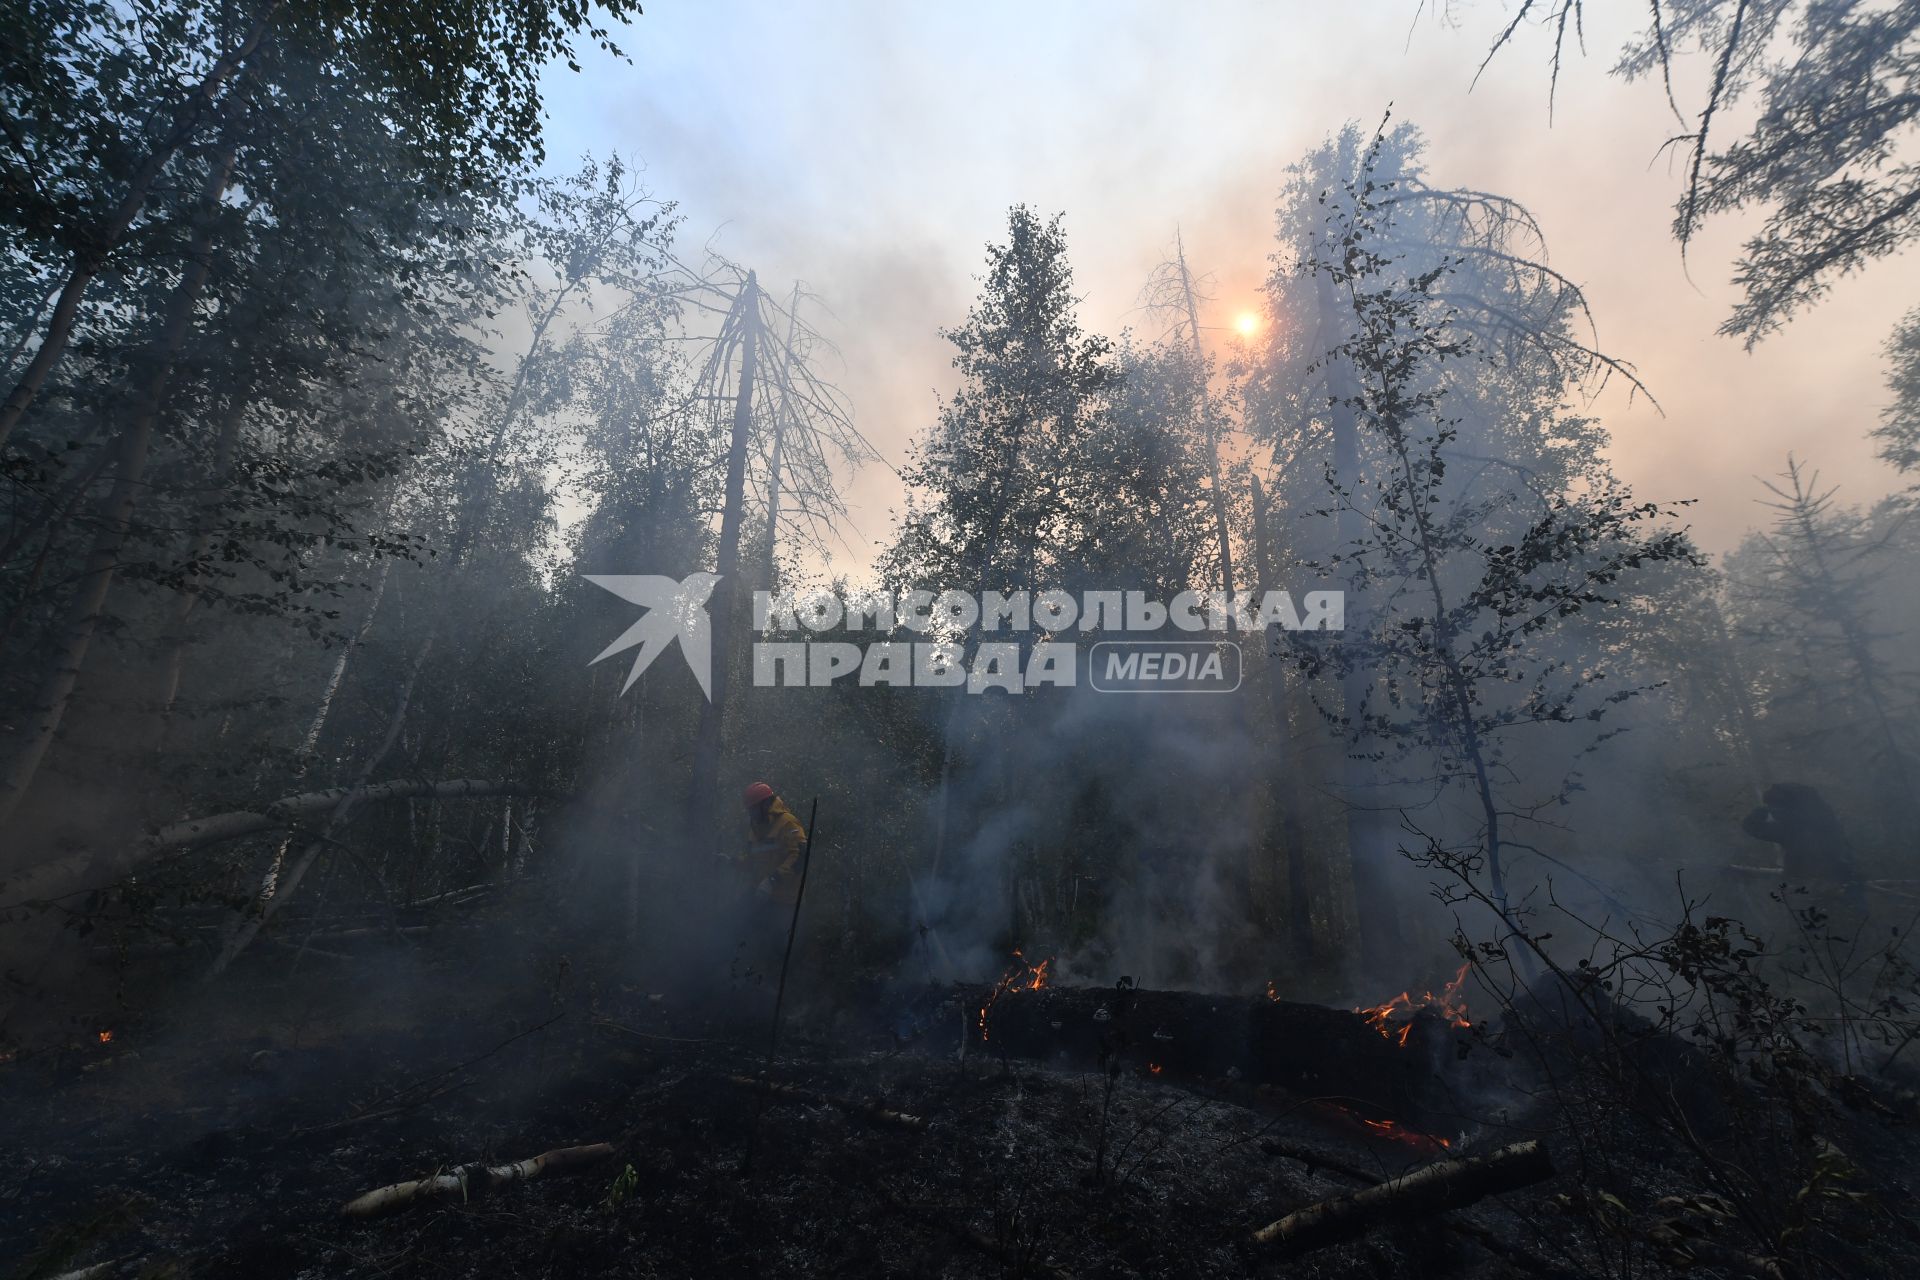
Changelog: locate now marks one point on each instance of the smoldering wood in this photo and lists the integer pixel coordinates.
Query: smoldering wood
(1450, 1184)
(471, 1180)
(1309, 1050)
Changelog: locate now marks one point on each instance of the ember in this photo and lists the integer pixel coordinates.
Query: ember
(1021, 977)
(1394, 1019)
(1392, 1132)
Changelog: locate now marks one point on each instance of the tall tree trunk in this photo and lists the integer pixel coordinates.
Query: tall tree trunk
(706, 743)
(777, 457)
(1287, 780)
(106, 238)
(310, 742)
(23, 757)
(1372, 844)
(1219, 492)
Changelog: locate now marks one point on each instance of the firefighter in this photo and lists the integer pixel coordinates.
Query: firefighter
(775, 840)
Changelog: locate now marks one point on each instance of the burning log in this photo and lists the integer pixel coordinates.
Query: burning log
(872, 1110)
(1451, 1184)
(1309, 1050)
(471, 1180)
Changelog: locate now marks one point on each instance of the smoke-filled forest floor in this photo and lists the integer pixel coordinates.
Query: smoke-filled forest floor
(223, 1138)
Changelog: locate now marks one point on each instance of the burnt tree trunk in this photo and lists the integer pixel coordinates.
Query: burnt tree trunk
(1307, 1049)
(705, 777)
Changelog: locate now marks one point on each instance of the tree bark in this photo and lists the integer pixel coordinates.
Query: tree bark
(1450, 1184)
(23, 758)
(108, 236)
(1287, 775)
(706, 744)
(776, 458)
(1218, 493)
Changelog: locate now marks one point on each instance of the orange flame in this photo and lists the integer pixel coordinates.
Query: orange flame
(1273, 992)
(1394, 1019)
(1021, 977)
(1393, 1132)
(1155, 1068)
(106, 1037)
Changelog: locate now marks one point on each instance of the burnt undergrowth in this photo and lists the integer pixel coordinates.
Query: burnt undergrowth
(912, 1137)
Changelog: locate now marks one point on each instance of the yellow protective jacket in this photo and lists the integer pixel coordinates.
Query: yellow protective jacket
(774, 851)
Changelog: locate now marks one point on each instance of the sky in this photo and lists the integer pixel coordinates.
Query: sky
(871, 149)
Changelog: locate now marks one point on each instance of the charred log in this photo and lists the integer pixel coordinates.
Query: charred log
(1451, 1184)
(1306, 1049)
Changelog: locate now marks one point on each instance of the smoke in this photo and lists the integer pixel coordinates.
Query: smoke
(1152, 793)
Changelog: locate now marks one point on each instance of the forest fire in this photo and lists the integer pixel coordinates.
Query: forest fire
(1021, 977)
(106, 1037)
(1391, 1132)
(1394, 1019)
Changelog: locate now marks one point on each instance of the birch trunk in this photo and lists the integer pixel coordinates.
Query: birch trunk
(274, 894)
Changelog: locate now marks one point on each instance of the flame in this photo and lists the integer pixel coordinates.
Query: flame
(106, 1037)
(1155, 1068)
(1273, 992)
(1394, 1019)
(1392, 1132)
(1401, 1134)
(1021, 977)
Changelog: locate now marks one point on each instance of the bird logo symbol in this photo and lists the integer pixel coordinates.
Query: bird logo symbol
(672, 609)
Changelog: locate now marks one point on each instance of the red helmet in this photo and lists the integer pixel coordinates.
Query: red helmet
(758, 793)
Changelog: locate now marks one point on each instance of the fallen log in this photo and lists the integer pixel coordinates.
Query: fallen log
(1307, 1049)
(288, 810)
(872, 1110)
(471, 1180)
(1450, 1184)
